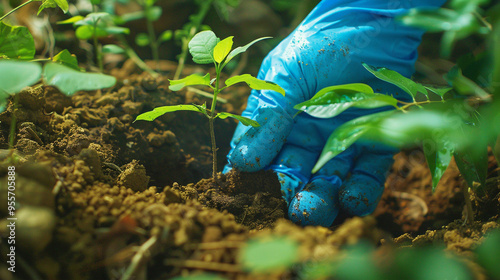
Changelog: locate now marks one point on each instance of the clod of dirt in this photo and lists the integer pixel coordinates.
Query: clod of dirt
(254, 198)
(134, 177)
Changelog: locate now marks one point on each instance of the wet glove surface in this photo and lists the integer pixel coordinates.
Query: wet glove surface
(326, 49)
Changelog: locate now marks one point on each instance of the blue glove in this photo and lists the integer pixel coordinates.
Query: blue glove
(326, 49)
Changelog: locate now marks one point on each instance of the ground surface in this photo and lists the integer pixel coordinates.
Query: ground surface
(93, 186)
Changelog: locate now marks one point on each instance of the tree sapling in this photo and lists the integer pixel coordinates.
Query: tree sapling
(206, 48)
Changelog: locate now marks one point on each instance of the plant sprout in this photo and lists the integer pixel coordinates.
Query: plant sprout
(206, 48)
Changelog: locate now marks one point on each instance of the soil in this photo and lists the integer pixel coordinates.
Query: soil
(100, 196)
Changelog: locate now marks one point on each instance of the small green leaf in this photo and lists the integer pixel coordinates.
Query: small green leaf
(93, 18)
(398, 80)
(202, 46)
(191, 80)
(46, 4)
(269, 255)
(473, 166)
(464, 85)
(165, 36)
(112, 48)
(66, 58)
(16, 42)
(331, 101)
(16, 75)
(244, 120)
(71, 20)
(160, 111)
(438, 154)
(129, 17)
(116, 30)
(153, 13)
(69, 81)
(439, 91)
(86, 32)
(142, 39)
(254, 83)
(222, 49)
(63, 5)
(243, 49)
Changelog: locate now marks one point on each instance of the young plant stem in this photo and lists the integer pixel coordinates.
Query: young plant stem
(469, 213)
(152, 38)
(97, 48)
(197, 20)
(16, 8)
(132, 55)
(211, 122)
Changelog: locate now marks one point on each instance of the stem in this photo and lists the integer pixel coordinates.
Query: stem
(211, 121)
(138, 61)
(469, 213)
(16, 8)
(152, 38)
(97, 48)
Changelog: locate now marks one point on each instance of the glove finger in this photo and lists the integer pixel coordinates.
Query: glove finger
(317, 203)
(361, 192)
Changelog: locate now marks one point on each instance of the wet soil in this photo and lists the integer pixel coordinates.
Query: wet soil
(102, 197)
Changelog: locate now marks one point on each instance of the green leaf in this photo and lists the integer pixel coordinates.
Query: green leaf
(202, 45)
(129, 17)
(331, 101)
(165, 36)
(243, 49)
(70, 81)
(66, 58)
(142, 39)
(46, 4)
(254, 83)
(439, 91)
(153, 13)
(438, 154)
(16, 42)
(398, 80)
(63, 5)
(222, 49)
(71, 20)
(244, 120)
(86, 32)
(464, 85)
(473, 166)
(16, 75)
(488, 254)
(112, 48)
(116, 30)
(269, 255)
(393, 128)
(159, 111)
(190, 80)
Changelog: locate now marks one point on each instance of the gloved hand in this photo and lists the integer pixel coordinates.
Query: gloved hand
(326, 49)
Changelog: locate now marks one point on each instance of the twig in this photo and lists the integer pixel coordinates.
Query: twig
(112, 166)
(212, 266)
(141, 254)
(469, 213)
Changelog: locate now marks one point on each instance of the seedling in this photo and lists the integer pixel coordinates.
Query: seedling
(62, 4)
(206, 48)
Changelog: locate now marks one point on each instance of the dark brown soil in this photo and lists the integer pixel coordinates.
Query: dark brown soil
(95, 189)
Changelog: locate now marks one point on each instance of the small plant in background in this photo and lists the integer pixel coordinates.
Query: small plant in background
(460, 121)
(206, 48)
(195, 24)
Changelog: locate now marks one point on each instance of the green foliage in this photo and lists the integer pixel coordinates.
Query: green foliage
(70, 81)
(63, 4)
(488, 254)
(16, 75)
(456, 23)
(266, 255)
(66, 58)
(16, 42)
(331, 101)
(206, 48)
